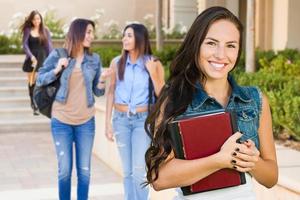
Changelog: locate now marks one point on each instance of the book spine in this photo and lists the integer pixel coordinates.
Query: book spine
(176, 137)
(243, 177)
(233, 119)
(176, 140)
(181, 137)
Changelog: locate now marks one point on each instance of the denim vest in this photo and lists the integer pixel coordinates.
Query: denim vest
(246, 102)
(91, 69)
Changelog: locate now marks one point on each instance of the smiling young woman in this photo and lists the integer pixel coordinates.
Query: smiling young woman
(200, 81)
(73, 111)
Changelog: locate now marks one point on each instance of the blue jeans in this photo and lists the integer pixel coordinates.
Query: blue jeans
(132, 142)
(64, 135)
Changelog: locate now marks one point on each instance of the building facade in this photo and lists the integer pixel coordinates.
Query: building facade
(276, 21)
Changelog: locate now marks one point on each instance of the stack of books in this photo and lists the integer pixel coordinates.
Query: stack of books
(199, 136)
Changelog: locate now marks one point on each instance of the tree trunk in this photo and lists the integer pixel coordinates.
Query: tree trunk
(159, 39)
(250, 37)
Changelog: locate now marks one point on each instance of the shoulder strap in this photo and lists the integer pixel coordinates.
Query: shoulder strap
(62, 53)
(152, 95)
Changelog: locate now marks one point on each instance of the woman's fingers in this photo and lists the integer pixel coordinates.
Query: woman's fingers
(106, 73)
(246, 157)
(64, 62)
(241, 169)
(109, 136)
(151, 65)
(242, 163)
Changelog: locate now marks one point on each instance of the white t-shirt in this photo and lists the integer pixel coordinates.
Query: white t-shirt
(241, 192)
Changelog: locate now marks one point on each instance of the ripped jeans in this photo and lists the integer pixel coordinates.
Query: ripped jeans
(64, 135)
(132, 142)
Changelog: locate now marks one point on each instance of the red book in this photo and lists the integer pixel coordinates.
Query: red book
(199, 136)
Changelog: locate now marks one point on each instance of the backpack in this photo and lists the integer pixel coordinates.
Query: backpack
(44, 96)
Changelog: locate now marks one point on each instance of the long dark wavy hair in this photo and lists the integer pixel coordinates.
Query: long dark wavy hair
(42, 29)
(180, 88)
(76, 35)
(142, 45)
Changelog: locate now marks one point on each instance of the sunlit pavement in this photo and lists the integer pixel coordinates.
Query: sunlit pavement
(28, 170)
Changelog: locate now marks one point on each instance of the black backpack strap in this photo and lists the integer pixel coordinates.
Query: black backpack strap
(62, 53)
(151, 94)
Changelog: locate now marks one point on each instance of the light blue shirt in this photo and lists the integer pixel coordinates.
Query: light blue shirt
(133, 90)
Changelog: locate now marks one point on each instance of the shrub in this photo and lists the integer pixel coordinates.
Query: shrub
(107, 54)
(10, 44)
(4, 44)
(166, 55)
(279, 78)
(54, 24)
(112, 30)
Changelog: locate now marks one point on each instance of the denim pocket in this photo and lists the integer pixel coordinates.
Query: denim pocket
(248, 124)
(116, 116)
(247, 114)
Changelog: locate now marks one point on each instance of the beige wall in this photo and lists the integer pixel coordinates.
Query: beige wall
(286, 27)
(183, 11)
(277, 21)
(232, 5)
(293, 32)
(263, 24)
(119, 10)
(280, 24)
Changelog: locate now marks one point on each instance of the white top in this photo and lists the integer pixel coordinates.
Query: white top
(241, 192)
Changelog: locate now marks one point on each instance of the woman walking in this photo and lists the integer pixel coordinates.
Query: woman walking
(73, 110)
(138, 77)
(37, 46)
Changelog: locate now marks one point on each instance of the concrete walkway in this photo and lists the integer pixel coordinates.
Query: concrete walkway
(289, 168)
(28, 170)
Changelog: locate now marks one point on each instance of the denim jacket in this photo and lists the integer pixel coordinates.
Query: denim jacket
(246, 102)
(91, 69)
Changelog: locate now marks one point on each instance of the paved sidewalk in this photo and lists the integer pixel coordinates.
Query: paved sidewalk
(28, 170)
(12, 58)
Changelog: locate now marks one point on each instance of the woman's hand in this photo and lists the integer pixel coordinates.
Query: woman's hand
(247, 157)
(34, 61)
(106, 73)
(156, 72)
(229, 150)
(151, 66)
(241, 157)
(62, 62)
(109, 132)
